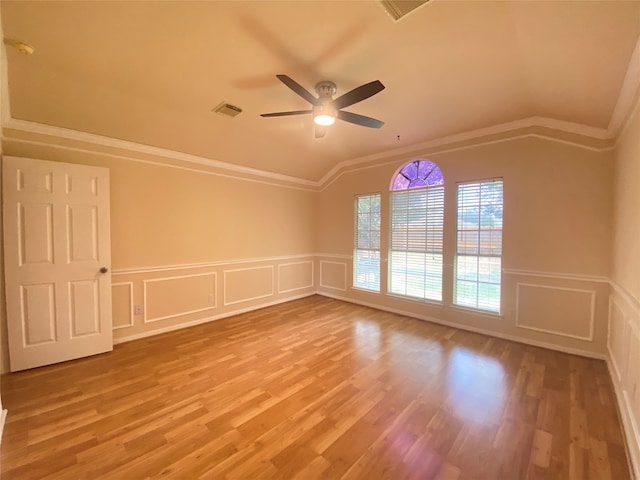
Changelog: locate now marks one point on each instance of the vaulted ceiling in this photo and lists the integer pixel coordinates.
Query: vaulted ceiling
(151, 72)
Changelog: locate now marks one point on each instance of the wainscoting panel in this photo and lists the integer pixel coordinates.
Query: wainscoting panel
(170, 297)
(295, 276)
(122, 299)
(623, 344)
(246, 284)
(160, 298)
(617, 341)
(333, 275)
(562, 311)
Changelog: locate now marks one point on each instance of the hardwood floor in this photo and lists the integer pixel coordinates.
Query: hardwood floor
(315, 388)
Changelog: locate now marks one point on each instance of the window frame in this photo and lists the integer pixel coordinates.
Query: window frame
(356, 237)
(477, 308)
(427, 225)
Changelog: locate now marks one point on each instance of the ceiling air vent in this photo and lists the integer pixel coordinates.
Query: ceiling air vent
(227, 109)
(399, 8)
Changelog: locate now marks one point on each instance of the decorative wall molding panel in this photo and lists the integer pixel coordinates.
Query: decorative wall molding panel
(247, 284)
(623, 346)
(569, 312)
(333, 275)
(295, 276)
(170, 297)
(122, 298)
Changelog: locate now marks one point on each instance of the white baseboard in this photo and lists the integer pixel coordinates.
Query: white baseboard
(630, 431)
(200, 321)
(3, 417)
(490, 333)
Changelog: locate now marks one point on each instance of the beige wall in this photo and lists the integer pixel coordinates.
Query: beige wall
(557, 239)
(624, 308)
(192, 244)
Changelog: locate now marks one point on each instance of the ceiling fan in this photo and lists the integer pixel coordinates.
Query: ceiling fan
(326, 109)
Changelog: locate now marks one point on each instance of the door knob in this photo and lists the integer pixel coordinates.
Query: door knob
(104, 270)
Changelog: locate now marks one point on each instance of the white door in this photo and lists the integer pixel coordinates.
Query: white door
(57, 257)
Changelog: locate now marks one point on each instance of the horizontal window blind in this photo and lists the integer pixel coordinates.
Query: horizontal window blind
(366, 259)
(478, 265)
(415, 268)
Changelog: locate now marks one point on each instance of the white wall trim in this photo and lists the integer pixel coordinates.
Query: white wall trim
(186, 266)
(131, 316)
(280, 265)
(624, 108)
(248, 299)
(630, 429)
(344, 266)
(561, 276)
(592, 304)
(432, 147)
(186, 312)
(489, 333)
(628, 297)
(448, 143)
(335, 255)
(612, 358)
(77, 135)
(180, 326)
(3, 418)
(163, 164)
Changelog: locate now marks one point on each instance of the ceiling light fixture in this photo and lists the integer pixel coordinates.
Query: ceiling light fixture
(324, 115)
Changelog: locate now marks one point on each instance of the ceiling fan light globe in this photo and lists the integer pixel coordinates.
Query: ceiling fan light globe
(324, 119)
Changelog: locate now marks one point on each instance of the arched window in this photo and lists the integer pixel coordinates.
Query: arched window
(417, 215)
(419, 173)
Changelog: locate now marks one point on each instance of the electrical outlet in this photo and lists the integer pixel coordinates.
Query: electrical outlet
(211, 299)
(138, 310)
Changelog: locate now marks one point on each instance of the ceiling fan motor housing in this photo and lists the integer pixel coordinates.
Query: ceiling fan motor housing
(326, 89)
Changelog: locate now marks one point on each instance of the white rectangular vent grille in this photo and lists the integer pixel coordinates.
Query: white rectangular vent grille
(399, 8)
(228, 109)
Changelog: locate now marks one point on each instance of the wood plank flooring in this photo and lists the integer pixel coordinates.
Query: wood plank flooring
(315, 388)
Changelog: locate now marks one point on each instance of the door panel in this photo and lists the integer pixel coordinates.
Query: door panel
(82, 221)
(84, 301)
(35, 228)
(56, 229)
(38, 314)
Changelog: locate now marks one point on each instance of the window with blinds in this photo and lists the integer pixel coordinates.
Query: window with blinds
(417, 213)
(478, 263)
(366, 259)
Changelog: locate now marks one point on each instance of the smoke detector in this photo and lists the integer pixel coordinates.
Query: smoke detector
(227, 109)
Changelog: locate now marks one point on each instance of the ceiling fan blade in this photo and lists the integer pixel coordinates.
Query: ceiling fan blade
(360, 119)
(284, 114)
(320, 131)
(299, 89)
(358, 94)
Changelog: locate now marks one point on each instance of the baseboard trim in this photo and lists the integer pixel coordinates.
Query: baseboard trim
(3, 417)
(490, 333)
(200, 321)
(630, 432)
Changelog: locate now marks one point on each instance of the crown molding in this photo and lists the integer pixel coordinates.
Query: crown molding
(628, 97)
(76, 135)
(448, 143)
(481, 136)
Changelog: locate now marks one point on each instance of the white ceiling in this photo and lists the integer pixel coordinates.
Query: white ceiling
(151, 72)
